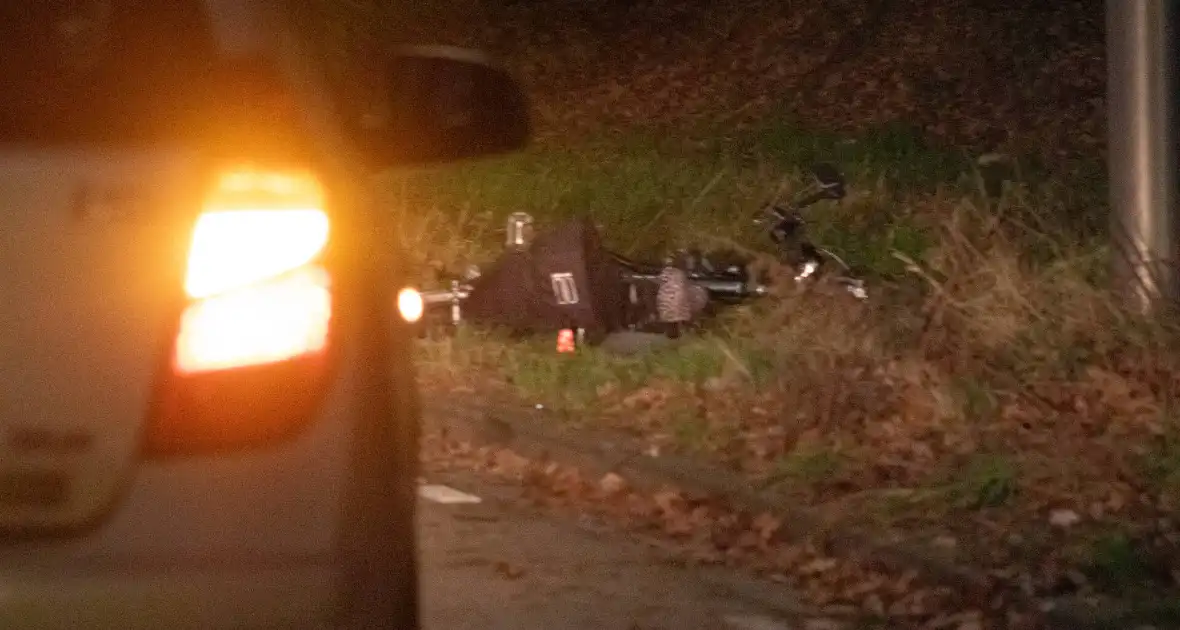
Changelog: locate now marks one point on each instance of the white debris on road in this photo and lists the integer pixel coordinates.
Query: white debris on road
(446, 495)
(1064, 518)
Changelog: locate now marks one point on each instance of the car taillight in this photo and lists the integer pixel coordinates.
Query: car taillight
(249, 358)
(273, 321)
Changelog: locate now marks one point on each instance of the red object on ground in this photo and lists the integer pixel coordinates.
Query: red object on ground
(565, 341)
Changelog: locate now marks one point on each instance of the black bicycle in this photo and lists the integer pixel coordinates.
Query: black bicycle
(567, 281)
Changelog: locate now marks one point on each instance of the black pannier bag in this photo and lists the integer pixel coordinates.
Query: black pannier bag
(565, 279)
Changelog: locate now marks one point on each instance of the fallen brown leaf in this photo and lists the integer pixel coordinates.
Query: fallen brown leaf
(612, 484)
(508, 571)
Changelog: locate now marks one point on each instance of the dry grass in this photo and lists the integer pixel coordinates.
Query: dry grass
(993, 382)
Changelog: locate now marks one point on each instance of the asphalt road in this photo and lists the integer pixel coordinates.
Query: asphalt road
(502, 564)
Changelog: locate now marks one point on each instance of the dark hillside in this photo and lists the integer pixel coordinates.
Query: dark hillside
(986, 73)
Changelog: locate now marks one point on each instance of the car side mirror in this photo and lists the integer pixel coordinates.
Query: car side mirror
(441, 104)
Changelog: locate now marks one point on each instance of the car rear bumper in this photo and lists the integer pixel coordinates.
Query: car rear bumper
(244, 540)
(297, 596)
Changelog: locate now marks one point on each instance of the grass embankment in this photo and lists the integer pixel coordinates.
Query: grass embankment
(992, 398)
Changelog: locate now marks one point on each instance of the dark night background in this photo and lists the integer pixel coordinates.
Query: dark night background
(998, 368)
(992, 74)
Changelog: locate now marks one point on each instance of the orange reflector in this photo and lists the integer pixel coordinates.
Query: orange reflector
(565, 341)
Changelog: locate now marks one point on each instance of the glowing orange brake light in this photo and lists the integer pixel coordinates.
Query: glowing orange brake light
(254, 226)
(260, 294)
(265, 324)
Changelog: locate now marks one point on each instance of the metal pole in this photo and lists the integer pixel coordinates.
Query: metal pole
(1141, 100)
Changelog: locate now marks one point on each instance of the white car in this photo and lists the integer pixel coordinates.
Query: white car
(207, 412)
